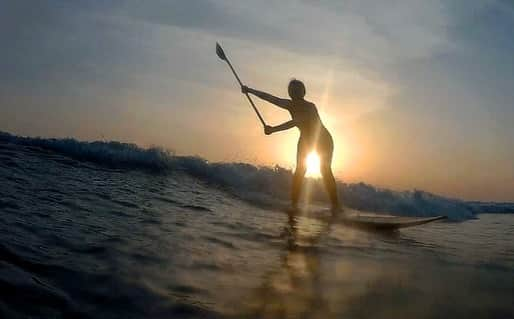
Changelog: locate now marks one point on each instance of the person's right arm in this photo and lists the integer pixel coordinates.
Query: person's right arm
(283, 103)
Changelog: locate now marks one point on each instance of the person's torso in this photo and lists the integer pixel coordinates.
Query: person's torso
(307, 119)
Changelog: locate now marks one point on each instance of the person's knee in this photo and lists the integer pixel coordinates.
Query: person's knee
(300, 170)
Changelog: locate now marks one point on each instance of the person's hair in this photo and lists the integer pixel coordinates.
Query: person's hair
(296, 89)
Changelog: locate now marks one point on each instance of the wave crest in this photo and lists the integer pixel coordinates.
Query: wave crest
(268, 186)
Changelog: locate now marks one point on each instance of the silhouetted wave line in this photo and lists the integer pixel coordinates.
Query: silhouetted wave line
(259, 185)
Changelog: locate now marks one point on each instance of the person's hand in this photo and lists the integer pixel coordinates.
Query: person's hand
(244, 89)
(268, 129)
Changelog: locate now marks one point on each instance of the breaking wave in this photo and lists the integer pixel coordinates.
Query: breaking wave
(261, 185)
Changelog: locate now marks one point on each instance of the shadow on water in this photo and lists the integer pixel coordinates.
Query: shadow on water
(294, 289)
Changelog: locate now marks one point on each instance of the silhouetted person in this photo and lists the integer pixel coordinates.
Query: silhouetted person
(313, 136)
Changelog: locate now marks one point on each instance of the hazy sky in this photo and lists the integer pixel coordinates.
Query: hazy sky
(418, 94)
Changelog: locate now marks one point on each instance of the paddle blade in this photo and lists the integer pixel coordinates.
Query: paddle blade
(219, 52)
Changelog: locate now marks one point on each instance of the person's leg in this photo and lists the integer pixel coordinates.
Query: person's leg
(330, 184)
(299, 174)
(298, 177)
(326, 172)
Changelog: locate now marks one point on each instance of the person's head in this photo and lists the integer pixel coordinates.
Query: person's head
(296, 89)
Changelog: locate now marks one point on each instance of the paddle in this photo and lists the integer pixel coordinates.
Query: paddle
(221, 55)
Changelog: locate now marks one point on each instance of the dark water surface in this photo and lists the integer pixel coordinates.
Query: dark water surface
(79, 240)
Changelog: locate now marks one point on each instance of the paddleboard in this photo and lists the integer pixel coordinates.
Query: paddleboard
(366, 220)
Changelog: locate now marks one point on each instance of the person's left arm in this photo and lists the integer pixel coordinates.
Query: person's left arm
(282, 127)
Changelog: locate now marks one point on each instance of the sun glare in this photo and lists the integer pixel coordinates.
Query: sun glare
(312, 162)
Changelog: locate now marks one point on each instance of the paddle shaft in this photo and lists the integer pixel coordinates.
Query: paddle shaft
(248, 96)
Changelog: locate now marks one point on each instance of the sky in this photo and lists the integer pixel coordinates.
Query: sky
(417, 94)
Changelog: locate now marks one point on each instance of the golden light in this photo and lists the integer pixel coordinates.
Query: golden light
(312, 162)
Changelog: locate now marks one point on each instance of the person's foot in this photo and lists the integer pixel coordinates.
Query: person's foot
(292, 210)
(336, 209)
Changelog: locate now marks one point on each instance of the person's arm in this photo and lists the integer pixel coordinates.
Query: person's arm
(283, 103)
(282, 127)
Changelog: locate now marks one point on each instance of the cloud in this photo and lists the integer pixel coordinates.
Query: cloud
(359, 29)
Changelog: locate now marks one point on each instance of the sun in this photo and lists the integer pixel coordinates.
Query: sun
(312, 162)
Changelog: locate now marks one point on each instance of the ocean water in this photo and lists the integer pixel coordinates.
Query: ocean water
(109, 230)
